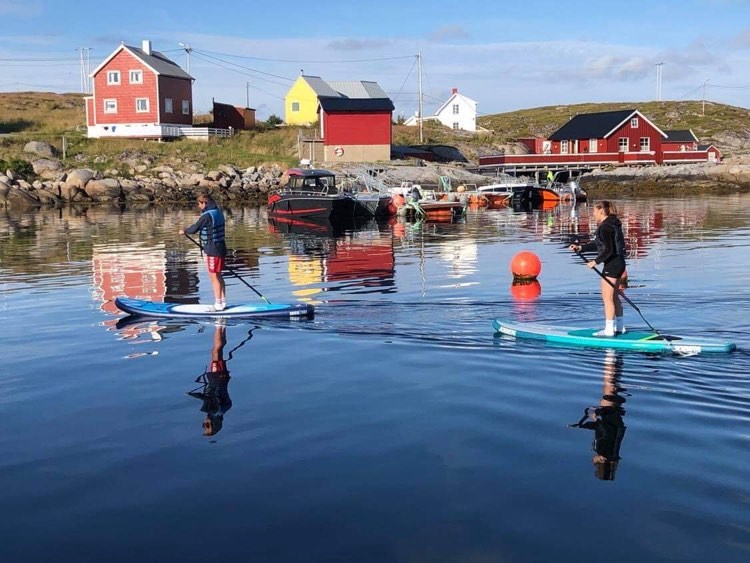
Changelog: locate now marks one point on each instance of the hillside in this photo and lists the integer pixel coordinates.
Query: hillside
(48, 117)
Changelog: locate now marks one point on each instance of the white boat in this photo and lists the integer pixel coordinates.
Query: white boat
(505, 183)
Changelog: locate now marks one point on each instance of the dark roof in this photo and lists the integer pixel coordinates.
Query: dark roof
(309, 172)
(681, 136)
(591, 125)
(160, 63)
(706, 147)
(356, 104)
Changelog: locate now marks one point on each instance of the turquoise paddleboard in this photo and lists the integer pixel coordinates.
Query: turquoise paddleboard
(199, 310)
(637, 340)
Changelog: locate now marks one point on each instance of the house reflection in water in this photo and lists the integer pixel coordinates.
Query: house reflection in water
(143, 272)
(351, 261)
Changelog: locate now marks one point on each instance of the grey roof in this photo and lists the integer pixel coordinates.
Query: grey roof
(681, 136)
(339, 103)
(345, 88)
(358, 89)
(320, 86)
(591, 125)
(159, 62)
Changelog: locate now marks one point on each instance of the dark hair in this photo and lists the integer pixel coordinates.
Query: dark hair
(204, 197)
(607, 206)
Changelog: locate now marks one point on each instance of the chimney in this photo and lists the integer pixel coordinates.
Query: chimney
(455, 91)
(146, 46)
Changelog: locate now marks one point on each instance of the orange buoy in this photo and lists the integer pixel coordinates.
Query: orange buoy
(525, 290)
(397, 200)
(526, 265)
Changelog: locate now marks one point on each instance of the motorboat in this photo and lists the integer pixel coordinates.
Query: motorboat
(313, 193)
(413, 202)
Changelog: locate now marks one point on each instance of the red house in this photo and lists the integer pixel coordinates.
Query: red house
(355, 129)
(595, 140)
(139, 93)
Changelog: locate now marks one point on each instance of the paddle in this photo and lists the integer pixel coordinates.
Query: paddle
(230, 270)
(626, 298)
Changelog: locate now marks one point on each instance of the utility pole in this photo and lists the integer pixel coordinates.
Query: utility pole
(659, 70)
(187, 48)
(703, 110)
(85, 68)
(419, 66)
(247, 94)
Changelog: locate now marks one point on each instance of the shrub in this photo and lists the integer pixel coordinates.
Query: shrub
(17, 166)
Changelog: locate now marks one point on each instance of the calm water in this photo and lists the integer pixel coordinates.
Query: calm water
(394, 426)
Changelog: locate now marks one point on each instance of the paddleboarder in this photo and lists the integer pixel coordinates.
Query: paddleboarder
(609, 243)
(211, 227)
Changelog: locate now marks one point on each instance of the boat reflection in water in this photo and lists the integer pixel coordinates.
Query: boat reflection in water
(344, 256)
(606, 420)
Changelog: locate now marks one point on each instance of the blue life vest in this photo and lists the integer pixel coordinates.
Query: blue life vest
(215, 234)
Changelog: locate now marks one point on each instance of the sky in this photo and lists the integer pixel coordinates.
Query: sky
(504, 55)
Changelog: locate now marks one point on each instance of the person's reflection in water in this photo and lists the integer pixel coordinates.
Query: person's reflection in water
(606, 420)
(215, 390)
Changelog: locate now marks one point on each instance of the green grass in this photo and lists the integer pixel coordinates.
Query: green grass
(48, 117)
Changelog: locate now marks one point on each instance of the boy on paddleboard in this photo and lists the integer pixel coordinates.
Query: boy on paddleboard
(211, 227)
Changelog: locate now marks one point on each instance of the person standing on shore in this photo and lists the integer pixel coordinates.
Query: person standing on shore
(211, 227)
(609, 242)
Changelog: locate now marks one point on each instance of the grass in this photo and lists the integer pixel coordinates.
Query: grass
(48, 117)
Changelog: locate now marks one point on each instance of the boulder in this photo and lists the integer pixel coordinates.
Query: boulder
(40, 148)
(79, 177)
(46, 168)
(105, 189)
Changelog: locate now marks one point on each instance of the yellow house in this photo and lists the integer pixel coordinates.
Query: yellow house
(301, 101)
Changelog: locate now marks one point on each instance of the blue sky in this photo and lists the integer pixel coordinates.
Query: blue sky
(505, 55)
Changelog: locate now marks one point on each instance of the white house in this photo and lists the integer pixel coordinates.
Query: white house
(459, 112)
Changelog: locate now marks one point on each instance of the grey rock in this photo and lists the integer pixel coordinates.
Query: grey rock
(40, 148)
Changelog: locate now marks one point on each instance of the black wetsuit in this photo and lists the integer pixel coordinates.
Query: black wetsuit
(609, 242)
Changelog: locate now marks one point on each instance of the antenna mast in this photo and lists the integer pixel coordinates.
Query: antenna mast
(419, 60)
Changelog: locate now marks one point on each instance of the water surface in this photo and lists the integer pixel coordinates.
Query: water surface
(394, 426)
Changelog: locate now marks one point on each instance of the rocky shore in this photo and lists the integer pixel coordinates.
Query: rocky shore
(145, 182)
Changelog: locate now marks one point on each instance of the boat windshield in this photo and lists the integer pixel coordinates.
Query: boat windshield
(319, 184)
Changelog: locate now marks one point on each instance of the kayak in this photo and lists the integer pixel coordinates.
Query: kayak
(147, 308)
(637, 340)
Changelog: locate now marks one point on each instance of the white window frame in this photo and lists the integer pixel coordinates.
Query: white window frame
(455, 109)
(135, 76)
(593, 145)
(645, 144)
(110, 105)
(634, 122)
(139, 102)
(623, 144)
(113, 77)
(168, 105)
(564, 147)
(456, 126)
(295, 107)
(185, 107)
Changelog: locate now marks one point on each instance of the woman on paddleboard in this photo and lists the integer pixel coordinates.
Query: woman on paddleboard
(609, 243)
(211, 226)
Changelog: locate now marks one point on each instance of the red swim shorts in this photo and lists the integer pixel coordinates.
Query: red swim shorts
(215, 264)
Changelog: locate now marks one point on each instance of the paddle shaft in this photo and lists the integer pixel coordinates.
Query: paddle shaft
(231, 271)
(621, 294)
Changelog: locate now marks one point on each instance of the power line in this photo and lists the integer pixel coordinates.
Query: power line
(309, 61)
(202, 57)
(205, 54)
